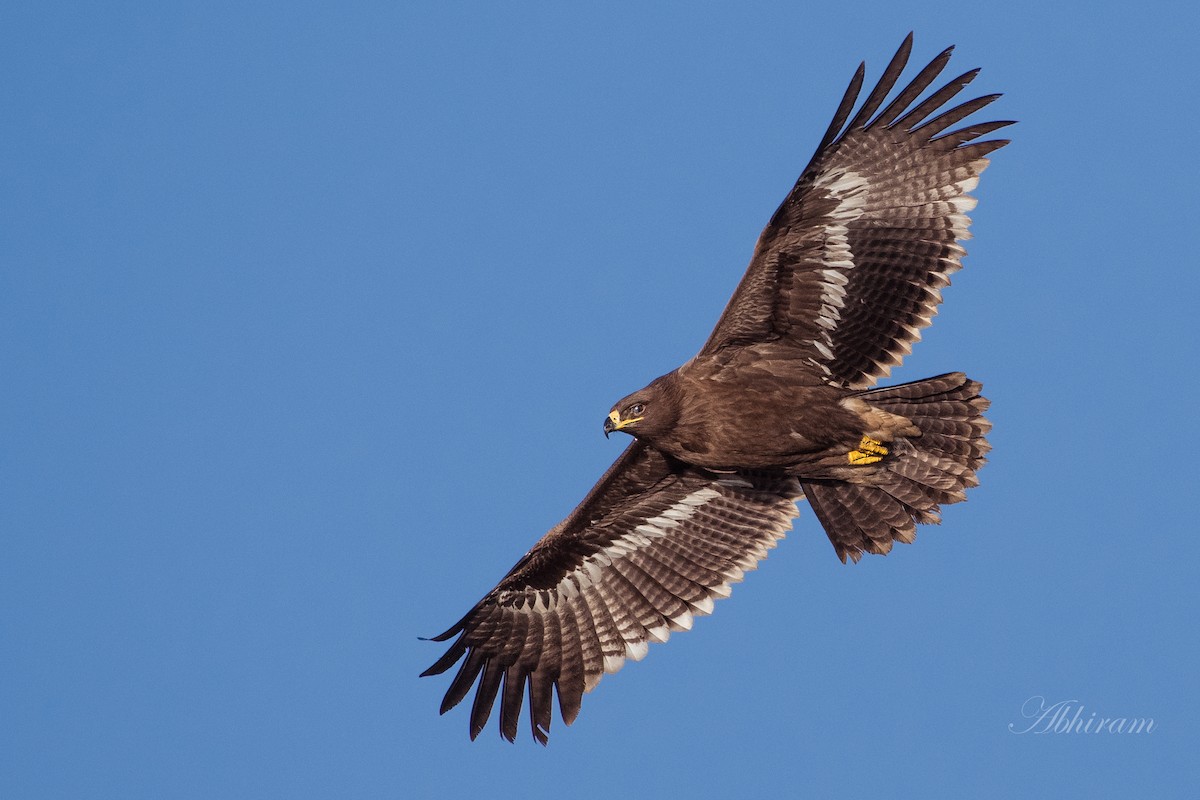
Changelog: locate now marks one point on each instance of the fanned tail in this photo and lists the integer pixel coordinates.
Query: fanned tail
(918, 476)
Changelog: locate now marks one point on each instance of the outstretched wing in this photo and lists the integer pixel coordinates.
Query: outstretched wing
(649, 548)
(850, 268)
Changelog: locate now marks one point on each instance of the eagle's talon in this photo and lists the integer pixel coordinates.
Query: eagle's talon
(870, 451)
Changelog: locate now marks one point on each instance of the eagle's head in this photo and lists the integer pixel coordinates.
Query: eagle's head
(646, 413)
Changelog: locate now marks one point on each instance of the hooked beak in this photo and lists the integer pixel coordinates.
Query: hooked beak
(615, 423)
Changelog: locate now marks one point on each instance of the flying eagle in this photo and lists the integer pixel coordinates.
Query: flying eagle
(777, 406)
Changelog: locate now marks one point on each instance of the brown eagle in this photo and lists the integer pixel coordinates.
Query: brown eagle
(776, 406)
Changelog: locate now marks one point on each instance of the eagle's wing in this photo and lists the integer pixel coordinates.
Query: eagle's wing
(651, 546)
(850, 268)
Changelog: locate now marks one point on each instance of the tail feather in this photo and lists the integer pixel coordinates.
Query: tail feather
(919, 475)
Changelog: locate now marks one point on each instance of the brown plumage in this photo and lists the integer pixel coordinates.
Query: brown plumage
(776, 406)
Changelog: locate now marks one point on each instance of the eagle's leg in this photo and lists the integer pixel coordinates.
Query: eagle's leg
(869, 451)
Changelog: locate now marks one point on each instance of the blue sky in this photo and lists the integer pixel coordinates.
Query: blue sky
(309, 317)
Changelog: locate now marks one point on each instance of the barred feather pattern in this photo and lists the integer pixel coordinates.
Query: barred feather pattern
(646, 553)
(920, 475)
(851, 267)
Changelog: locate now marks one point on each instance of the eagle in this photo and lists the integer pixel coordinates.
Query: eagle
(778, 406)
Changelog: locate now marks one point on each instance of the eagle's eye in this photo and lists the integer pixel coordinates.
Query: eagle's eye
(636, 409)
